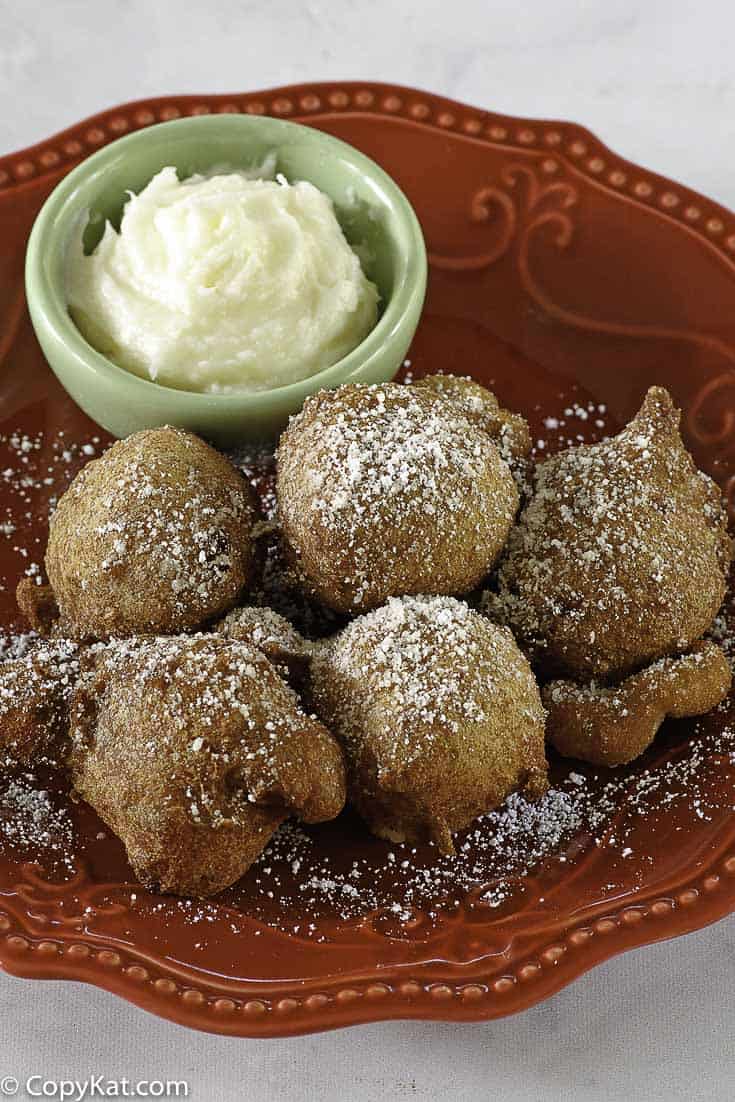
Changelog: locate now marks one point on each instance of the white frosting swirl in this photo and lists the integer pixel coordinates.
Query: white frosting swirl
(222, 283)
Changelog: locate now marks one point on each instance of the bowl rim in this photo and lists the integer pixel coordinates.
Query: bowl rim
(46, 300)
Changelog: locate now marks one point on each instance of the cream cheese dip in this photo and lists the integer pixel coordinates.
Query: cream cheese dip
(222, 283)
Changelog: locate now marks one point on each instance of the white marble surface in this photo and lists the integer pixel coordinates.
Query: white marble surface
(655, 81)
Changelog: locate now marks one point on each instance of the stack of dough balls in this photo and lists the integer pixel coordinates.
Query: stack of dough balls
(195, 722)
(192, 748)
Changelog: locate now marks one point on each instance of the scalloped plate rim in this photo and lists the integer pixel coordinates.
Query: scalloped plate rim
(48, 960)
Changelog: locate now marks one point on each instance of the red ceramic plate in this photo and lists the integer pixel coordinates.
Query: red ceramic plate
(571, 280)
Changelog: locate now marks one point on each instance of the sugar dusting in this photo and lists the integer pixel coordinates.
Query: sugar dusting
(36, 821)
(582, 812)
(295, 881)
(434, 666)
(35, 469)
(156, 487)
(581, 561)
(369, 474)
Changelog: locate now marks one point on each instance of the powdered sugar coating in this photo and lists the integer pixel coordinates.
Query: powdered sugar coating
(32, 819)
(438, 711)
(263, 628)
(35, 689)
(508, 430)
(193, 749)
(620, 556)
(272, 634)
(154, 536)
(389, 490)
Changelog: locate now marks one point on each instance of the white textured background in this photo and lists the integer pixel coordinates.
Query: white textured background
(655, 81)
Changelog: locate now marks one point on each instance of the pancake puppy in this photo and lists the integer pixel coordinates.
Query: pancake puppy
(193, 750)
(620, 557)
(390, 490)
(439, 715)
(153, 537)
(613, 725)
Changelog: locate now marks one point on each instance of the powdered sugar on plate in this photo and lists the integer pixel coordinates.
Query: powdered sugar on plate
(338, 870)
(583, 812)
(35, 821)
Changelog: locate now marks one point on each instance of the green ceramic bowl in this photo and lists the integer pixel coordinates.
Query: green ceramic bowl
(371, 209)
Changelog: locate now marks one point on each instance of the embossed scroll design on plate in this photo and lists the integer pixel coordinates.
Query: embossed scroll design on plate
(550, 206)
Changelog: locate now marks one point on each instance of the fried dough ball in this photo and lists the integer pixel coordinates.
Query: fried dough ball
(35, 690)
(620, 557)
(508, 430)
(272, 634)
(612, 726)
(193, 750)
(153, 537)
(439, 715)
(390, 490)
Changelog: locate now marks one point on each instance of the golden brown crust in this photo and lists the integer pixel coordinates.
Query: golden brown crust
(38, 604)
(155, 536)
(34, 702)
(193, 750)
(613, 725)
(272, 634)
(508, 431)
(389, 490)
(439, 715)
(620, 557)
